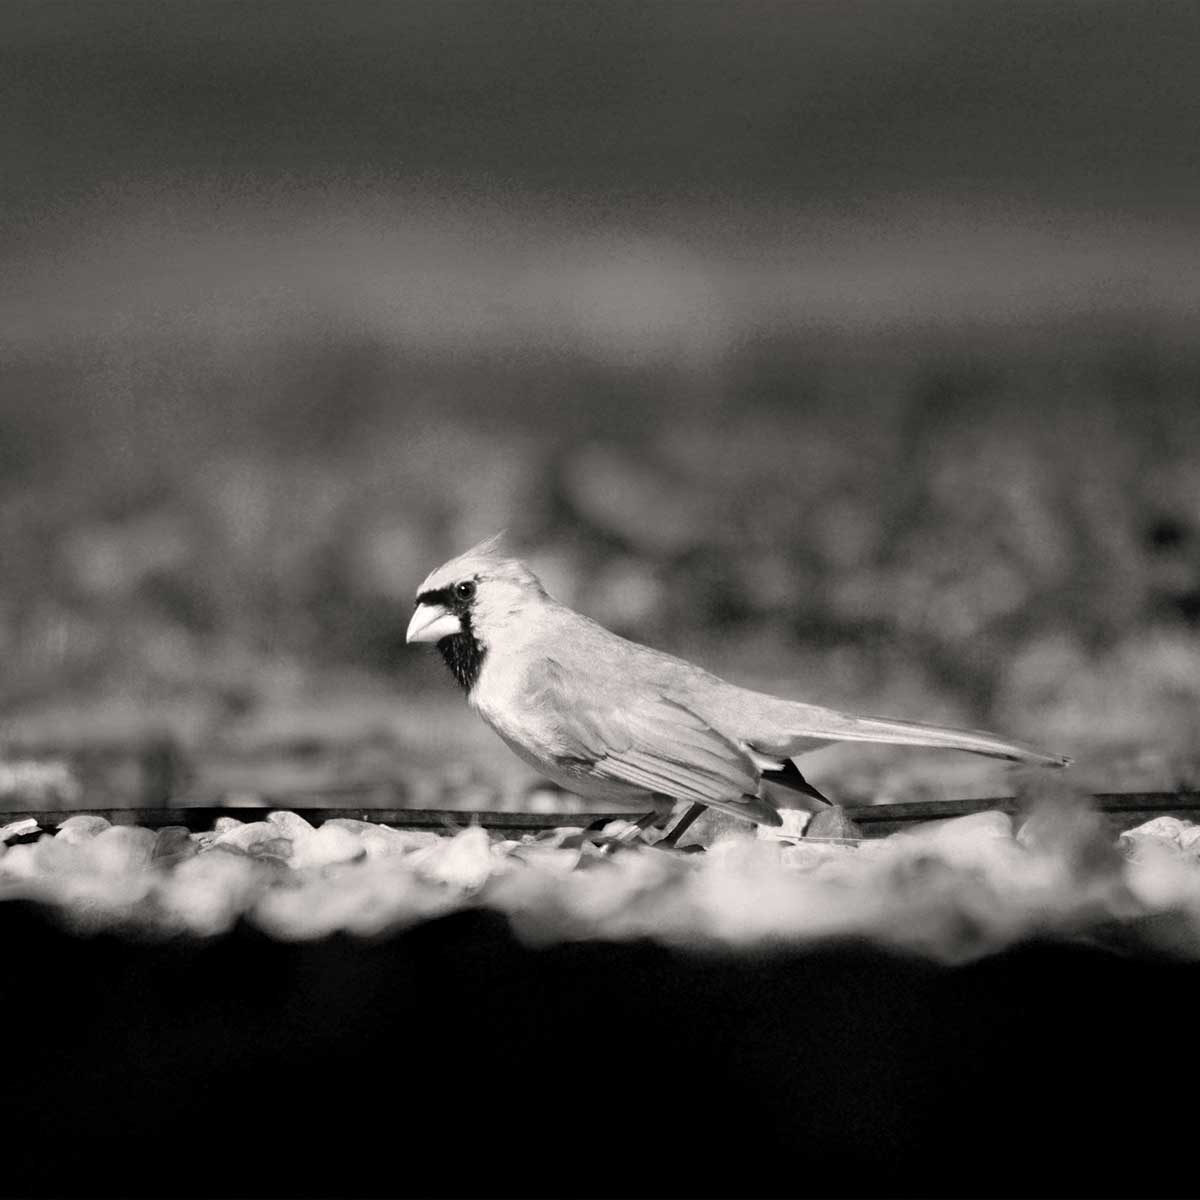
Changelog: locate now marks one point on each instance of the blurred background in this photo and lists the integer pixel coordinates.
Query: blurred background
(847, 348)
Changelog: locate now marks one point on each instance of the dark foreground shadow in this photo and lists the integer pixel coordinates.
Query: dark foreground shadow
(451, 1060)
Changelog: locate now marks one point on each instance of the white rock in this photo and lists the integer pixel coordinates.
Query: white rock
(955, 832)
(463, 861)
(207, 893)
(1189, 838)
(553, 860)
(18, 863)
(121, 849)
(291, 825)
(380, 841)
(1165, 829)
(329, 844)
(82, 828)
(15, 829)
(52, 857)
(246, 837)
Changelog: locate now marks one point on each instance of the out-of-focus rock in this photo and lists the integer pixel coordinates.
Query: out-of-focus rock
(327, 845)
(555, 860)
(1161, 831)
(381, 840)
(1189, 839)
(974, 840)
(812, 856)
(121, 849)
(465, 861)
(1070, 831)
(82, 828)
(246, 837)
(832, 822)
(710, 825)
(277, 850)
(52, 857)
(16, 829)
(291, 825)
(368, 900)
(172, 846)
(18, 863)
(1163, 880)
(117, 850)
(207, 893)
(229, 850)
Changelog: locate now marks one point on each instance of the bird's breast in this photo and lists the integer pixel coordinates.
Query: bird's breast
(519, 714)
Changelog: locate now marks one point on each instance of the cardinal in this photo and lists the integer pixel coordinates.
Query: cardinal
(610, 719)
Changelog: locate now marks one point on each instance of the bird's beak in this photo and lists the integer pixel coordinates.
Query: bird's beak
(431, 623)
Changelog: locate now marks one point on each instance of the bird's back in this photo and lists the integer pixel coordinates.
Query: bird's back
(603, 672)
(596, 675)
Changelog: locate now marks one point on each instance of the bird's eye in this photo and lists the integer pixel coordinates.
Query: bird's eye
(465, 590)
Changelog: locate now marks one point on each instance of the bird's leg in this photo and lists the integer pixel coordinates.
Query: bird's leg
(671, 838)
(662, 812)
(628, 835)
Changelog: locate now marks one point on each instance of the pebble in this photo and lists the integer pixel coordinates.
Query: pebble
(291, 825)
(16, 829)
(246, 837)
(1189, 839)
(379, 841)
(277, 849)
(82, 828)
(1163, 829)
(465, 861)
(52, 857)
(208, 892)
(831, 822)
(330, 844)
(172, 846)
(552, 859)
(121, 849)
(18, 863)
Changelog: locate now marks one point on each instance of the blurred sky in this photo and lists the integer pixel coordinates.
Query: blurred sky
(627, 178)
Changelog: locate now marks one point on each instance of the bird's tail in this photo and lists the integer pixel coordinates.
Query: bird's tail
(809, 725)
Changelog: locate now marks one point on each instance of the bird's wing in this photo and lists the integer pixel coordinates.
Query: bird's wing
(795, 728)
(649, 741)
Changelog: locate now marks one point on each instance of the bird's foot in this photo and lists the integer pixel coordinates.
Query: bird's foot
(632, 834)
(603, 835)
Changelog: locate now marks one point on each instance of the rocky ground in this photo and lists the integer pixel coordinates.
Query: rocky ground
(952, 890)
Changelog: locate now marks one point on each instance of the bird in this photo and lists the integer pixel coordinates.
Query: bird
(611, 719)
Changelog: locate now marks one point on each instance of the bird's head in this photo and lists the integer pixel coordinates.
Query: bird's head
(469, 603)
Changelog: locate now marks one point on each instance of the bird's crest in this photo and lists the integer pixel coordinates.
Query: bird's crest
(484, 557)
(489, 546)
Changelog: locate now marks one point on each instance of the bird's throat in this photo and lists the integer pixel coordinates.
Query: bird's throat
(464, 656)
